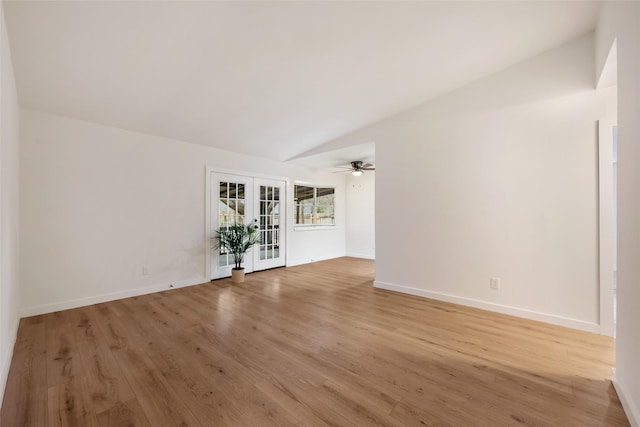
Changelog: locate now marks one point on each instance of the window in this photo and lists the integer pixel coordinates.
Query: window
(314, 205)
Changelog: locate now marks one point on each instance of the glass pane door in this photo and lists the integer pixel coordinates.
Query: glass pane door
(231, 203)
(238, 199)
(230, 212)
(269, 222)
(271, 216)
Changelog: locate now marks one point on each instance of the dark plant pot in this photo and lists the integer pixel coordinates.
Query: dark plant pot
(237, 275)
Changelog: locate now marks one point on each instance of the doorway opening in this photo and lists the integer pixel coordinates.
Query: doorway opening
(607, 188)
(615, 224)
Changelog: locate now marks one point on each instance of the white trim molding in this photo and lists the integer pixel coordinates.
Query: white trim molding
(300, 261)
(81, 302)
(606, 224)
(360, 255)
(498, 308)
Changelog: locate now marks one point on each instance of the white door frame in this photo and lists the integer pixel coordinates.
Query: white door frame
(207, 217)
(605, 223)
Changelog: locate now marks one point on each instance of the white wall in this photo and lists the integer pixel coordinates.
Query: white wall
(98, 203)
(9, 205)
(496, 179)
(620, 21)
(361, 218)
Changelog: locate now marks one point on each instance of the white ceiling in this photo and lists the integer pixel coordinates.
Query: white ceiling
(328, 160)
(273, 79)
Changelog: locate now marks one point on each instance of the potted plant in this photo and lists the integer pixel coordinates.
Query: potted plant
(237, 239)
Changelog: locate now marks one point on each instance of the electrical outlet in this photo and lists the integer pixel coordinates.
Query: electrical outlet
(495, 283)
(145, 270)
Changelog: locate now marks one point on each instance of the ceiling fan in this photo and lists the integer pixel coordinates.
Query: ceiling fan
(357, 168)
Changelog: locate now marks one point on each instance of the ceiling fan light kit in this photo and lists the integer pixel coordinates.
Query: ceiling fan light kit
(356, 173)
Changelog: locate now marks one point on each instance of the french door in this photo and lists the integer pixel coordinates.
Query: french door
(237, 199)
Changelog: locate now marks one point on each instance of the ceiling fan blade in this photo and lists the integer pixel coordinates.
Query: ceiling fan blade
(355, 166)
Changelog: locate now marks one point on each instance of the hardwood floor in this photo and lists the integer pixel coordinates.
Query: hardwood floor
(313, 345)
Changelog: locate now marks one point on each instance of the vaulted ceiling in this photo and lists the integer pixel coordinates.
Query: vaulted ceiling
(273, 79)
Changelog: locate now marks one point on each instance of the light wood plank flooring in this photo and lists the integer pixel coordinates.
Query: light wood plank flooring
(312, 345)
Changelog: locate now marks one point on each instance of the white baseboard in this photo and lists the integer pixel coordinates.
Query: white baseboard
(8, 357)
(630, 408)
(81, 302)
(484, 305)
(300, 261)
(361, 255)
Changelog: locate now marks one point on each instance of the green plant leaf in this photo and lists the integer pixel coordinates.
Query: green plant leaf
(236, 239)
